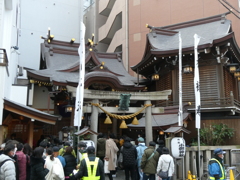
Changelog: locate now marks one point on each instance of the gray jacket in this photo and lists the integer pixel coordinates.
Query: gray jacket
(7, 171)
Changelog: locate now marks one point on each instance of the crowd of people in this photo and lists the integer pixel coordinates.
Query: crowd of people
(50, 161)
(139, 162)
(53, 160)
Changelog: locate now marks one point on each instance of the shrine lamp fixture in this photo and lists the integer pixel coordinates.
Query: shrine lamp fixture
(237, 73)
(233, 67)
(161, 132)
(187, 69)
(68, 108)
(155, 77)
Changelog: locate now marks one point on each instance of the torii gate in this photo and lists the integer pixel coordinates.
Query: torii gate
(147, 97)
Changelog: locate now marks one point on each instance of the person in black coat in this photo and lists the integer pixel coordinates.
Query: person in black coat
(38, 171)
(83, 171)
(129, 153)
(160, 147)
(70, 162)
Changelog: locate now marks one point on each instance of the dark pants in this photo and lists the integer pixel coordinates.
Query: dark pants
(110, 175)
(149, 176)
(167, 178)
(132, 171)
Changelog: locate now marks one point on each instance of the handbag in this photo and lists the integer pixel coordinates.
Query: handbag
(164, 174)
(106, 167)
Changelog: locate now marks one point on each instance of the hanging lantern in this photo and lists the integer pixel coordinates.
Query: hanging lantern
(187, 69)
(107, 120)
(155, 77)
(237, 74)
(123, 125)
(161, 132)
(135, 121)
(68, 108)
(233, 67)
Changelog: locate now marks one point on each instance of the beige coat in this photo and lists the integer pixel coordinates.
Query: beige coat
(111, 154)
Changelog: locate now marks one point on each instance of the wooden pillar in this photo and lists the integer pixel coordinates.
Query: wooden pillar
(2, 134)
(194, 163)
(227, 157)
(148, 123)
(30, 133)
(187, 163)
(208, 157)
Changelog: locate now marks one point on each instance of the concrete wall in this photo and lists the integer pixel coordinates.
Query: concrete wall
(61, 16)
(19, 94)
(40, 99)
(9, 24)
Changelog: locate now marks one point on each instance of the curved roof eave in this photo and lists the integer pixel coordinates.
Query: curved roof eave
(112, 81)
(29, 112)
(37, 76)
(186, 49)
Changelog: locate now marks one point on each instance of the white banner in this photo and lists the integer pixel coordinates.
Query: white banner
(180, 112)
(197, 84)
(80, 89)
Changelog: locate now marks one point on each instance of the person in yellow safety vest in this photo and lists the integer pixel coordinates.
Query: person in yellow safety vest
(91, 168)
(215, 166)
(82, 148)
(63, 150)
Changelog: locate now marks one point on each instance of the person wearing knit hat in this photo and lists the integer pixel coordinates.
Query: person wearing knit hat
(56, 155)
(140, 150)
(149, 161)
(93, 162)
(161, 144)
(215, 166)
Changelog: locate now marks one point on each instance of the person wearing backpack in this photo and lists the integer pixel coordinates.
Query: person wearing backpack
(63, 150)
(7, 166)
(129, 154)
(70, 162)
(38, 171)
(140, 150)
(54, 166)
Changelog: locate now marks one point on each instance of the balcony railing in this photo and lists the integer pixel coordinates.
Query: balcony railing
(229, 102)
(4, 59)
